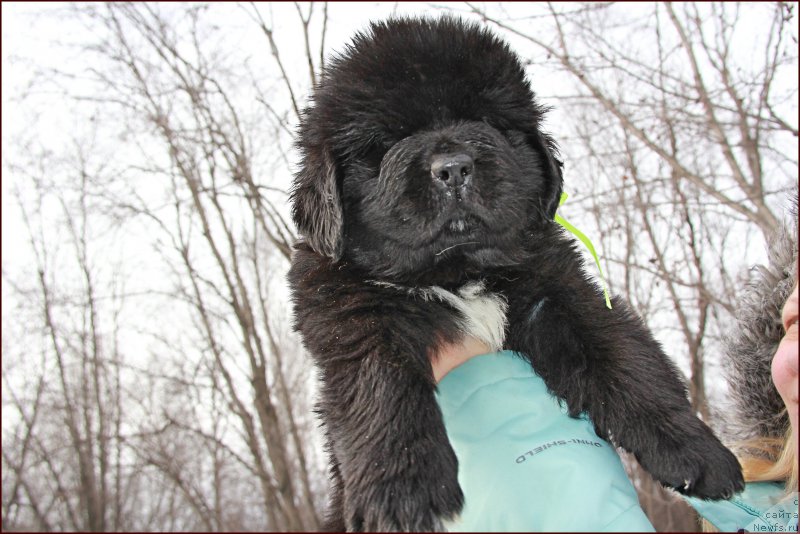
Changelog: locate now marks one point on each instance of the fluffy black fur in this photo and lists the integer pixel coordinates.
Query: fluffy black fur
(377, 223)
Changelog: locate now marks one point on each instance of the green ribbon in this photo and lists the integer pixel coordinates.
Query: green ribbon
(585, 240)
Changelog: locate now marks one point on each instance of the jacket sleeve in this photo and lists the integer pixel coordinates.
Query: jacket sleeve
(524, 464)
(761, 507)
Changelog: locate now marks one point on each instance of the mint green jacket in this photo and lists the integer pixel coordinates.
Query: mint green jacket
(524, 464)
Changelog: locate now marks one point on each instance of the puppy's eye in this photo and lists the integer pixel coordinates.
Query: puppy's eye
(373, 153)
(516, 137)
(373, 156)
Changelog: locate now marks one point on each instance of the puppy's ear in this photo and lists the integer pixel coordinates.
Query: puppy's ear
(551, 170)
(316, 204)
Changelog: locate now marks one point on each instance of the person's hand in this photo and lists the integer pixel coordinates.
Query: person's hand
(784, 363)
(451, 356)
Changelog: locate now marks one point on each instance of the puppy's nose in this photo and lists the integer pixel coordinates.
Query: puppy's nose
(452, 170)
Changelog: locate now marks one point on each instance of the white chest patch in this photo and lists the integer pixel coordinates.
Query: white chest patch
(484, 313)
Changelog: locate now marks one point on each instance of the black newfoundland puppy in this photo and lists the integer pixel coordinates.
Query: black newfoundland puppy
(425, 200)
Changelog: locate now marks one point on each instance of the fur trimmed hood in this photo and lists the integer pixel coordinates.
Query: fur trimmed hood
(758, 410)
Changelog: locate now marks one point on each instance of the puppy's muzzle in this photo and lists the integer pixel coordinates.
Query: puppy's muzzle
(452, 171)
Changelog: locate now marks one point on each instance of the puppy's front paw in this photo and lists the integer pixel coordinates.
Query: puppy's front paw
(699, 466)
(406, 504)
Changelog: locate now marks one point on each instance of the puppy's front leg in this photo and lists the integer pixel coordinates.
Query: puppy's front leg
(606, 363)
(399, 472)
(395, 468)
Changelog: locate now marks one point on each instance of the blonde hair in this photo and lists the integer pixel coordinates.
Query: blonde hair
(771, 459)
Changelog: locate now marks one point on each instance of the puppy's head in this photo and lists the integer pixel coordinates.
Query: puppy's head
(422, 150)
